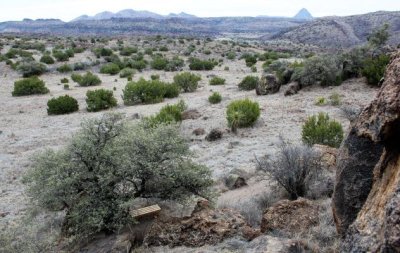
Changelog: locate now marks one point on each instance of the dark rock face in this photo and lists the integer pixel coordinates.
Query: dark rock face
(366, 202)
(267, 85)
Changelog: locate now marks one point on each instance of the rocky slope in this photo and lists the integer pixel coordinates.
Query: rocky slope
(342, 31)
(367, 192)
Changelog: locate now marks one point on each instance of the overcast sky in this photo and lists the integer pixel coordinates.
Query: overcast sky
(70, 9)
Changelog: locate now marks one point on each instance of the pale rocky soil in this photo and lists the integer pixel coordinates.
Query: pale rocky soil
(26, 128)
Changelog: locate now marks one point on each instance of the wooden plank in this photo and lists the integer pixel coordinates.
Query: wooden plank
(146, 211)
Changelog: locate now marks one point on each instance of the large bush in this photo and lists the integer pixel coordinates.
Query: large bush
(159, 63)
(110, 68)
(374, 68)
(143, 91)
(29, 86)
(197, 64)
(31, 68)
(187, 81)
(88, 79)
(242, 113)
(62, 105)
(249, 83)
(319, 129)
(101, 99)
(108, 164)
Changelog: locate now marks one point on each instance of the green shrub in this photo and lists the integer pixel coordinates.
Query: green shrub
(163, 49)
(174, 64)
(66, 86)
(47, 59)
(87, 79)
(29, 86)
(335, 99)
(187, 81)
(231, 55)
(101, 99)
(80, 66)
(60, 55)
(108, 164)
(197, 64)
(62, 105)
(31, 68)
(249, 83)
(144, 91)
(110, 68)
(172, 90)
(167, 115)
(242, 113)
(250, 60)
(374, 68)
(64, 68)
(136, 64)
(155, 77)
(65, 80)
(320, 101)
(159, 63)
(126, 72)
(321, 130)
(215, 98)
(217, 81)
(128, 51)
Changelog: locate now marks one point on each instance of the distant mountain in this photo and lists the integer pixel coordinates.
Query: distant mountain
(303, 14)
(129, 13)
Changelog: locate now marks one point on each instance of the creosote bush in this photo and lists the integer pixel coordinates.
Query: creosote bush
(249, 83)
(187, 81)
(215, 98)
(242, 113)
(217, 81)
(101, 99)
(29, 86)
(108, 164)
(88, 79)
(62, 105)
(319, 129)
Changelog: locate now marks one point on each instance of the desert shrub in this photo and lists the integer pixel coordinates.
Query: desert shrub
(31, 68)
(172, 90)
(155, 77)
(215, 98)
(249, 83)
(60, 55)
(143, 91)
(29, 86)
(88, 79)
(283, 70)
(250, 60)
(128, 51)
(353, 62)
(163, 49)
(319, 129)
(101, 99)
(374, 68)
(70, 52)
(65, 80)
(174, 64)
(217, 81)
(294, 168)
(136, 64)
(322, 70)
(197, 64)
(47, 59)
(242, 113)
(231, 55)
(62, 105)
(126, 72)
(379, 36)
(334, 99)
(66, 86)
(167, 115)
(80, 66)
(108, 164)
(320, 101)
(99, 52)
(159, 63)
(187, 81)
(64, 68)
(110, 68)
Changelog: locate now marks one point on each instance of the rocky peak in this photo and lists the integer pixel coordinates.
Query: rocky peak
(303, 14)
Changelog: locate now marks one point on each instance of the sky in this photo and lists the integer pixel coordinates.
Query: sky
(69, 9)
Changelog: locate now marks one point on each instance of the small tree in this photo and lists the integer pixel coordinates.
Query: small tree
(321, 130)
(379, 36)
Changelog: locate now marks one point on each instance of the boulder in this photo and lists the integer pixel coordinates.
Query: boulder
(214, 135)
(268, 84)
(205, 226)
(290, 216)
(199, 131)
(366, 201)
(191, 114)
(328, 156)
(292, 89)
(234, 181)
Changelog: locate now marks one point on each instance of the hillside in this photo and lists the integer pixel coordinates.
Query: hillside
(342, 31)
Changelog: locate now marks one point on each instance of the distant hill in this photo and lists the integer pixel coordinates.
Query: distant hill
(303, 14)
(342, 31)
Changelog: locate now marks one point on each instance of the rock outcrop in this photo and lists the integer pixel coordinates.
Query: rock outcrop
(205, 226)
(292, 89)
(267, 85)
(366, 202)
(290, 216)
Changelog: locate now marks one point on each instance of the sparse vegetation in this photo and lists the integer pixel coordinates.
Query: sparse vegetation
(148, 92)
(187, 81)
(249, 83)
(88, 79)
(215, 98)
(242, 113)
(101, 99)
(29, 86)
(31, 68)
(320, 129)
(110, 68)
(62, 105)
(217, 81)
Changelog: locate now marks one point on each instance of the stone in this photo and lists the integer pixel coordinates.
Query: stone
(191, 114)
(290, 216)
(366, 200)
(268, 84)
(214, 135)
(199, 131)
(328, 156)
(292, 89)
(234, 181)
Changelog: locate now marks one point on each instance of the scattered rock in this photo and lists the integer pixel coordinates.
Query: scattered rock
(290, 216)
(136, 116)
(191, 114)
(366, 200)
(327, 156)
(267, 85)
(292, 89)
(234, 181)
(199, 131)
(214, 135)
(4, 214)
